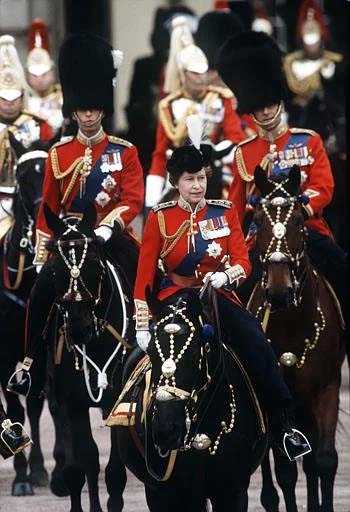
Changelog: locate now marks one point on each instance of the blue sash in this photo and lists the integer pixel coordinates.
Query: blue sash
(93, 183)
(189, 263)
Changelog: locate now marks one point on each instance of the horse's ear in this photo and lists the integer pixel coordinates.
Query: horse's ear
(154, 304)
(261, 181)
(293, 183)
(56, 225)
(87, 223)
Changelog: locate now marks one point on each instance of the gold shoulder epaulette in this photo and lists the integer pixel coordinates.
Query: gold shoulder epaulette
(63, 141)
(225, 92)
(220, 202)
(161, 206)
(333, 56)
(245, 141)
(303, 130)
(118, 140)
(165, 101)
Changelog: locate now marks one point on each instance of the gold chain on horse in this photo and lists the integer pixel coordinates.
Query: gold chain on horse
(279, 230)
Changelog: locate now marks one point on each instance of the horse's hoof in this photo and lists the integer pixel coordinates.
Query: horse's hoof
(39, 477)
(22, 489)
(58, 486)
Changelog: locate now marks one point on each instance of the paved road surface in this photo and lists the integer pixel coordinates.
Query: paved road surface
(44, 501)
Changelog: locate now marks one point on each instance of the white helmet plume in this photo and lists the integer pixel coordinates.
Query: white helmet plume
(195, 128)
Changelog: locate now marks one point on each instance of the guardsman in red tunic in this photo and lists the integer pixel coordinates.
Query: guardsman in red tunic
(260, 91)
(89, 168)
(19, 129)
(45, 96)
(187, 82)
(192, 236)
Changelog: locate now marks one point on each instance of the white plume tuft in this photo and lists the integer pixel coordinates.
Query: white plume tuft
(118, 57)
(195, 129)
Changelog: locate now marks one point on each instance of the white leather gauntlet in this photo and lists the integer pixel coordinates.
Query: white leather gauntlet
(142, 338)
(104, 232)
(234, 274)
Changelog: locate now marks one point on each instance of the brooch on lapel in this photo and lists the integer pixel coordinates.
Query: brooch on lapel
(102, 198)
(111, 162)
(214, 249)
(215, 227)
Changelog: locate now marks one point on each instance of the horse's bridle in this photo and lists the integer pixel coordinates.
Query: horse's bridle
(169, 391)
(73, 293)
(278, 250)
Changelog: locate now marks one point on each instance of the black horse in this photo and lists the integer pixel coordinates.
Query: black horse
(87, 334)
(203, 432)
(17, 277)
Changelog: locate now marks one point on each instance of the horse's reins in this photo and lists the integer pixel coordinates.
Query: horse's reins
(75, 274)
(25, 243)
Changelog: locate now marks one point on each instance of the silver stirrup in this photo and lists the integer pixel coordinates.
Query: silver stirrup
(12, 377)
(307, 449)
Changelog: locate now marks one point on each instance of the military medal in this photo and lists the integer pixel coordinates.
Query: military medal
(102, 198)
(111, 162)
(214, 249)
(109, 183)
(294, 154)
(216, 227)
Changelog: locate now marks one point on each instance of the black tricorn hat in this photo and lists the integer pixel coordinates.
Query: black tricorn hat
(188, 158)
(214, 28)
(250, 64)
(86, 72)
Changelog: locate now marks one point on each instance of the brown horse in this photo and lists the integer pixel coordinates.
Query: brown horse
(300, 316)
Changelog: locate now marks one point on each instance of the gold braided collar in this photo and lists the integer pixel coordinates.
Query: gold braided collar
(184, 205)
(280, 130)
(91, 141)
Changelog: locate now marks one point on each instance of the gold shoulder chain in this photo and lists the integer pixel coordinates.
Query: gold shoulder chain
(241, 166)
(170, 240)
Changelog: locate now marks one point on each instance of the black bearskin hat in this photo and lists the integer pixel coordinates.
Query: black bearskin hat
(250, 64)
(188, 158)
(214, 28)
(86, 72)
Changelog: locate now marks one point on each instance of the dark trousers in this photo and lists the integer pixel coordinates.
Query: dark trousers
(331, 261)
(248, 340)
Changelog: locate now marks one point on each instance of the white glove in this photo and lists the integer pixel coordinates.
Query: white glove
(217, 279)
(154, 189)
(327, 70)
(38, 268)
(142, 338)
(104, 232)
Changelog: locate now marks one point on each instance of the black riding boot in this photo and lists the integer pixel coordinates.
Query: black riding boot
(289, 441)
(33, 367)
(245, 335)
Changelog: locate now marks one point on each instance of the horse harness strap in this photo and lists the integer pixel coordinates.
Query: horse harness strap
(20, 270)
(250, 388)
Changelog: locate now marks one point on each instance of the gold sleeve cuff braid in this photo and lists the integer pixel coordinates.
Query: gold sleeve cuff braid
(114, 216)
(235, 273)
(141, 316)
(41, 253)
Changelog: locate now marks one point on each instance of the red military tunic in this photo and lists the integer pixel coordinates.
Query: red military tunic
(189, 245)
(293, 146)
(218, 111)
(29, 128)
(108, 173)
